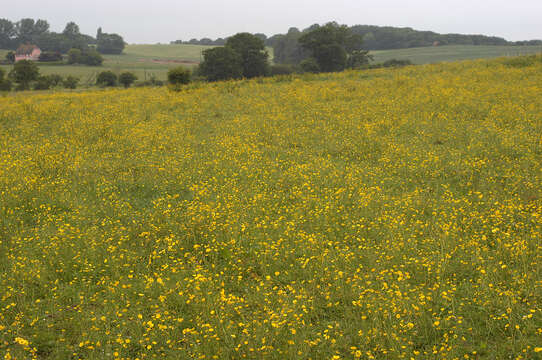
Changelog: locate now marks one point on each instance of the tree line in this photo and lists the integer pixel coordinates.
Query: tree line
(326, 48)
(288, 50)
(37, 32)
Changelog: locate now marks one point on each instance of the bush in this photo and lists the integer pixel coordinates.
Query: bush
(10, 57)
(48, 56)
(92, 58)
(55, 79)
(127, 79)
(179, 76)
(359, 59)
(48, 81)
(70, 82)
(396, 63)
(281, 69)
(310, 65)
(24, 72)
(42, 83)
(74, 56)
(5, 85)
(106, 78)
(88, 57)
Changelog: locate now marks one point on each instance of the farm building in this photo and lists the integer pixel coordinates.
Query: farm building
(27, 52)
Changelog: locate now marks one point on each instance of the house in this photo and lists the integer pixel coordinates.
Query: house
(27, 52)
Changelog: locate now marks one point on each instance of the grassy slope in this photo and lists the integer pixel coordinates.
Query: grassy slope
(386, 214)
(426, 55)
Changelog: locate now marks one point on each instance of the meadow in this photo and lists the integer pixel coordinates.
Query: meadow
(437, 54)
(383, 214)
(148, 61)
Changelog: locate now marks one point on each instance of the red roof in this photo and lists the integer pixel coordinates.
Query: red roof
(25, 49)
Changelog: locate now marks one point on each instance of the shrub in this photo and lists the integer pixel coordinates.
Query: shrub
(74, 56)
(10, 57)
(396, 63)
(24, 72)
(55, 79)
(42, 83)
(70, 82)
(282, 69)
(310, 65)
(179, 76)
(92, 58)
(359, 59)
(127, 79)
(48, 56)
(5, 85)
(88, 57)
(106, 78)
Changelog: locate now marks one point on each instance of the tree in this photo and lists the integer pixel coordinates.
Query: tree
(40, 27)
(91, 57)
(42, 83)
(71, 30)
(106, 78)
(74, 56)
(7, 34)
(10, 57)
(127, 79)
(24, 30)
(50, 56)
(70, 82)
(331, 45)
(310, 65)
(286, 48)
(221, 63)
(24, 72)
(5, 84)
(109, 43)
(86, 56)
(358, 59)
(331, 57)
(178, 76)
(251, 49)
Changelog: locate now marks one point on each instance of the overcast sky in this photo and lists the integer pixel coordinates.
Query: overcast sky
(166, 20)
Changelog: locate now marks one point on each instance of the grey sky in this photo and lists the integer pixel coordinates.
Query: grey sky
(152, 21)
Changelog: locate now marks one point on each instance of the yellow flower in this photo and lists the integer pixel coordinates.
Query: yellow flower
(21, 341)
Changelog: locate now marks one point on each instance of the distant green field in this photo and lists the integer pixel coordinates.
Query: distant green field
(143, 60)
(429, 55)
(155, 60)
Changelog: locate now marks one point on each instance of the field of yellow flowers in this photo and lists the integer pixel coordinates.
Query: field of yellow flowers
(386, 214)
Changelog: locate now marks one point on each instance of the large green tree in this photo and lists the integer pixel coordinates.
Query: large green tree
(330, 45)
(109, 43)
(251, 49)
(7, 34)
(24, 72)
(287, 49)
(221, 63)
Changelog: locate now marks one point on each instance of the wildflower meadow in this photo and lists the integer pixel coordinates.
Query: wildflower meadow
(382, 214)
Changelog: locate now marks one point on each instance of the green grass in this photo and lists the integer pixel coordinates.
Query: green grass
(427, 55)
